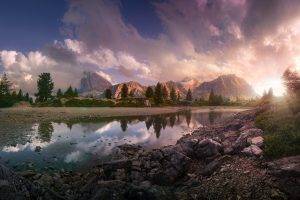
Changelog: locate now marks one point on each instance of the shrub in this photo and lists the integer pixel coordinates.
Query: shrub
(281, 133)
(89, 103)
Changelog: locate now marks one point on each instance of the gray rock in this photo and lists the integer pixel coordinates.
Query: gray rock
(241, 141)
(252, 151)
(208, 148)
(257, 141)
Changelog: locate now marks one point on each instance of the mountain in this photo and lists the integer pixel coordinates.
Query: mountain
(91, 82)
(229, 86)
(189, 83)
(134, 88)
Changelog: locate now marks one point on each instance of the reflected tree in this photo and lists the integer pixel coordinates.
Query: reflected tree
(69, 125)
(45, 131)
(157, 125)
(164, 122)
(149, 122)
(188, 117)
(123, 124)
(172, 120)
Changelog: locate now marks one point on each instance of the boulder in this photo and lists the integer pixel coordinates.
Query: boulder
(241, 141)
(13, 186)
(252, 150)
(207, 148)
(257, 141)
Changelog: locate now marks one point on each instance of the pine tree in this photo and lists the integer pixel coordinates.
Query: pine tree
(75, 92)
(4, 85)
(69, 92)
(59, 93)
(26, 98)
(158, 95)
(165, 93)
(189, 95)
(20, 95)
(178, 96)
(124, 91)
(149, 92)
(173, 95)
(45, 86)
(14, 95)
(270, 93)
(211, 98)
(107, 93)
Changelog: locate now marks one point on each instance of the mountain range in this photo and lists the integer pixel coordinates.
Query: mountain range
(230, 86)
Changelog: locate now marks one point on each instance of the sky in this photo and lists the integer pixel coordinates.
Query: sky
(149, 40)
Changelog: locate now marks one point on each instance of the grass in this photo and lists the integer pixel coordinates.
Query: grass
(281, 131)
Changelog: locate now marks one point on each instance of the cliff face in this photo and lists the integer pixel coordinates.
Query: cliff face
(229, 86)
(134, 88)
(93, 82)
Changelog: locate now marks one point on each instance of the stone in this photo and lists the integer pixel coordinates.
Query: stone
(38, 149)
(211, 167)
(241, 141)
(207, 148)
(252, 151)
(257, 141)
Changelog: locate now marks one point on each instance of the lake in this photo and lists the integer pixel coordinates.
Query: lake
(74, 146)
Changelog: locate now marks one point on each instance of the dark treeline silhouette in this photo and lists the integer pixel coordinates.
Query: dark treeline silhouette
(8, 97)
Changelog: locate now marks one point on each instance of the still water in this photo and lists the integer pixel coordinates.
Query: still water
(71, 146)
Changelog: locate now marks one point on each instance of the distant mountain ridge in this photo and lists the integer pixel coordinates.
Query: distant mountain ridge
(230, 86)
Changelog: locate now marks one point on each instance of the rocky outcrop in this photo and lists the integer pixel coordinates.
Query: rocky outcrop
(13, 186)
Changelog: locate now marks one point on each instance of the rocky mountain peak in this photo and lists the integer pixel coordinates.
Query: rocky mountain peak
(92, 81)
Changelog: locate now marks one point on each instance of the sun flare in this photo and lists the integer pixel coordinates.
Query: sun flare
(275, 83)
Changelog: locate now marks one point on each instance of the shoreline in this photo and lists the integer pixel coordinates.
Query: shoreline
(37, 114)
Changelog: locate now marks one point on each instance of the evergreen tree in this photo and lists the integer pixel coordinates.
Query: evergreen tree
(189, 95)
(124, 91)
(59, 93)
(149, 92)
(178, 96)
(270, 93)
(211, 98)
(69, 92)
(4, 85)
(75, 92)
(26, 98)
(173, 95)
(14, 95)
(158, 95)
(165, 93)
(20, 95)
(107, 93)
(45, 86)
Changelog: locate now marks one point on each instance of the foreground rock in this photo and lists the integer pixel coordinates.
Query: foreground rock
(14, 187)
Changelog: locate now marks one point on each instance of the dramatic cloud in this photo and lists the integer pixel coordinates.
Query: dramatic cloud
(254, 39)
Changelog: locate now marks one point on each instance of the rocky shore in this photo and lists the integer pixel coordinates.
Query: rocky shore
(224, 161)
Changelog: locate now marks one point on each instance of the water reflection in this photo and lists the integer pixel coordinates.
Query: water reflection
(45, 130)
(75, 144)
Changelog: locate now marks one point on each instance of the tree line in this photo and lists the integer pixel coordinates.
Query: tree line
(159, 94)
(8, 97)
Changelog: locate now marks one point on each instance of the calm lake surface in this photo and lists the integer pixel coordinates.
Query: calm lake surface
(74, 146)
